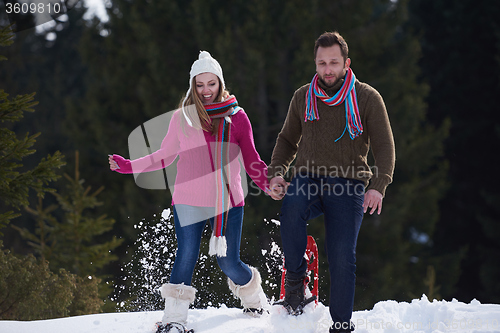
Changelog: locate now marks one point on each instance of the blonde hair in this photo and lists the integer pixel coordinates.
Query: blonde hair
(200, 118)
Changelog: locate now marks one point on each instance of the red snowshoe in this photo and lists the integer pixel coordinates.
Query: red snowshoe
(309, 296)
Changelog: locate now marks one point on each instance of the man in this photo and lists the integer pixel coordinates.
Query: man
(330, 127)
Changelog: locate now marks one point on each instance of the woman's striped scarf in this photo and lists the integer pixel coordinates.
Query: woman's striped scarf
(346, 93)
(222, 110)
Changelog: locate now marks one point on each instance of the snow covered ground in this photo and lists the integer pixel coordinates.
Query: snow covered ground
(388, 317)
(155, 253)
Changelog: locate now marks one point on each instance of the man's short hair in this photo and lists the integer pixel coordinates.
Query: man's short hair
(328, 39)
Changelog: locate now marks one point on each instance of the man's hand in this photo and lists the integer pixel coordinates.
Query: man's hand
(373, 200)
(278, 187)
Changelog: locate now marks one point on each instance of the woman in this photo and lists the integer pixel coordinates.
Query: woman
(208, 133)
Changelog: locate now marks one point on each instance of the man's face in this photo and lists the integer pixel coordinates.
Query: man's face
(330, 64)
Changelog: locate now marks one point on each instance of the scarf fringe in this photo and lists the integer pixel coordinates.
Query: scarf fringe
(218, 246)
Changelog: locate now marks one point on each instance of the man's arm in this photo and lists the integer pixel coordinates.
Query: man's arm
(382, 145)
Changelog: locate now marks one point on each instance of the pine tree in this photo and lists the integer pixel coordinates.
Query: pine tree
(73, 241)
(16, 183)
(452, 35)
(28, 289)
(54, 70)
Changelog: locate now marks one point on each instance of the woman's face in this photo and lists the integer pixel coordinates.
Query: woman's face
(207, 87)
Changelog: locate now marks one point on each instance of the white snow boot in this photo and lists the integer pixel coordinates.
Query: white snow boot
(251, 294)
(177, 297)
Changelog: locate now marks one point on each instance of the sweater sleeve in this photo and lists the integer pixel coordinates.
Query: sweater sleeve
(382, 143)
(288, 140)
(164, 156)
(254, 166)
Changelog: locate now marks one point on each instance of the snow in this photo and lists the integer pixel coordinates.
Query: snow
(146, 272)
(420, 315)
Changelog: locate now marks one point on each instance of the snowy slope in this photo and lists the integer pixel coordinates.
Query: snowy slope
(387, 317)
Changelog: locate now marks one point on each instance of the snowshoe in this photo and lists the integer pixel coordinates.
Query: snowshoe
(295, 296)
(172, 328)
(254, 312)
(298, 292)
(299, 309)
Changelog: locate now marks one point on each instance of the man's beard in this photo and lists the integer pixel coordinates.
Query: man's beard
(328, 85)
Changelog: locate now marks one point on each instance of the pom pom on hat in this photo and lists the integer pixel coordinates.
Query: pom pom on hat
(204, 55)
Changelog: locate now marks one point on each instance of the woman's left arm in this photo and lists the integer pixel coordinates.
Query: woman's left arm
(254, 166)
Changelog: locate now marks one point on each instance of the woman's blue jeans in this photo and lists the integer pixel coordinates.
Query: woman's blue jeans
(341, 202)
(189, 234)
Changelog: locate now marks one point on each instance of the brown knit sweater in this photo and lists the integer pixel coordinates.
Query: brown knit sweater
(313, 144)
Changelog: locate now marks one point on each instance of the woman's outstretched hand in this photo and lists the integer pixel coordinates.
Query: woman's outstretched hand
(119, 164)
(112, 163)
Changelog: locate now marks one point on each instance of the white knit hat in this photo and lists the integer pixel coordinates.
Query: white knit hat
(204, 64)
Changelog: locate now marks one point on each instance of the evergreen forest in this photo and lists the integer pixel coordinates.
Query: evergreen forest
(73, 233)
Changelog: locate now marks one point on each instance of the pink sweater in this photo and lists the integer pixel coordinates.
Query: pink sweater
(195, 183)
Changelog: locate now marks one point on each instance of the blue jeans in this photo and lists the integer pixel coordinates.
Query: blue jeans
(341, 202)
(188, 248)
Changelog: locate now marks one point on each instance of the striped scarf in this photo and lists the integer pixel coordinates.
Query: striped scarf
(346, 93)
(222, 110)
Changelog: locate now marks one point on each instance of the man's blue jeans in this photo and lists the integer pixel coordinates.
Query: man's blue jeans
(188, 248)
(341, 202)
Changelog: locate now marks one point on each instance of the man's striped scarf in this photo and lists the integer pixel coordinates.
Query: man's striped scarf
(346, 93)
